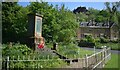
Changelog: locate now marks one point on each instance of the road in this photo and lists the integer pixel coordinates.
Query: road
(92, 49)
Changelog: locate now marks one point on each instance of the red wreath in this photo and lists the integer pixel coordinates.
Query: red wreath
(41, 46)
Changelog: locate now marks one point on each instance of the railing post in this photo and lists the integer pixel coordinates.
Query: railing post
(8, 63)
(70, 60)
(109, 53)
(103, 57)
(86, 61)
(96, 60)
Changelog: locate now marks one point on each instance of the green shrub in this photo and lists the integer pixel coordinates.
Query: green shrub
(97, 40)
(104, 40)
(114, 41)
(88, 41)
(83, 40)
(16, 49)
(113, 46)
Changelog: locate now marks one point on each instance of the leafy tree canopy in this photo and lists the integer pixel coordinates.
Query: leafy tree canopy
(59, 24)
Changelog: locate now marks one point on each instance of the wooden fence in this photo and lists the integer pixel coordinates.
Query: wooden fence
(92, 62)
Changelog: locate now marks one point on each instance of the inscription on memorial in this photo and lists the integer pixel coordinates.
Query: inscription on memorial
(38, 26)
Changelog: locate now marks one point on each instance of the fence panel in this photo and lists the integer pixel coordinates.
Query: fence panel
(105, 57)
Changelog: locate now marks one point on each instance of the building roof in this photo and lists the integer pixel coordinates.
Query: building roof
(95, 24)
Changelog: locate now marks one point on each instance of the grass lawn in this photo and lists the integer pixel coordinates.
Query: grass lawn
(113, 46)
(114, 62)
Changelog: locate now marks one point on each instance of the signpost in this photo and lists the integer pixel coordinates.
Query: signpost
(34, 30)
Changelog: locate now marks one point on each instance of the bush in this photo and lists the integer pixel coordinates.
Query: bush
(104, 40)
(88, 41)
(15, 50)
(114, 41)
(97, 40)
(86, 44)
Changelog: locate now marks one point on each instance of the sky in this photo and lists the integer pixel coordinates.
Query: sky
(73, 5)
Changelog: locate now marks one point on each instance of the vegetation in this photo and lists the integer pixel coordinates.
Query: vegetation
(73, 51)
(114, 11)
(92, 14)
(59, 25)
(56, 24)
(19, 51)
(113, 46)
(88, 41)
(14, 19)
(23, 51)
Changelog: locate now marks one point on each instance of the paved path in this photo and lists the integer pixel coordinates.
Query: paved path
(92, 49)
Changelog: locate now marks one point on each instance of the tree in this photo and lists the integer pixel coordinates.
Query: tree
(92, 15)
(118, 17)
(80, 9)
(68, 26)
(81, 17)
(102, 16)
(14, 21)
(114, 11)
